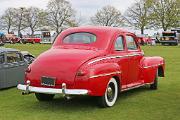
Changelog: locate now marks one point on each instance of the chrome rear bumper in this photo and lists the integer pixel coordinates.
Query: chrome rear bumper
(30, 89)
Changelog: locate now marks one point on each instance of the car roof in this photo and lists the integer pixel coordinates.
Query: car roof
(104, 35)
(104, 28)
(3, 49)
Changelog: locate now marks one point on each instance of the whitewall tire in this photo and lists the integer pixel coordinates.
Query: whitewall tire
(111, 94)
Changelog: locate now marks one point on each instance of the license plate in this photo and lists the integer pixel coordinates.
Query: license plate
(48, 81)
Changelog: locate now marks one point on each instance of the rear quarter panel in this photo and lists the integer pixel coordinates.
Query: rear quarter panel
(149, 66)
(98, 78)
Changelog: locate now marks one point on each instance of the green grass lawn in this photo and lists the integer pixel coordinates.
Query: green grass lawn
(137, 104)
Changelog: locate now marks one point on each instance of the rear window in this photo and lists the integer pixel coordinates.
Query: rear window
(79, 38)
(14, 57)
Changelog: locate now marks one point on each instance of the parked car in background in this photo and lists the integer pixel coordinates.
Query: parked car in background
(11, 38)
(47, 36)
(94, 61)
(31, 39)
(2, 38)
(144, 39)
(169, 38)
(1, 43)
(12, 67)
(177, 31)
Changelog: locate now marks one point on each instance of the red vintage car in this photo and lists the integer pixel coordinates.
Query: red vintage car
(31, 39)
(94, 61)
(11, 38)
(144, 39)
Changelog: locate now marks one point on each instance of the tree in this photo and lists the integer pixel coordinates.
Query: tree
(59, 14)
(166, 14)
(19, 17)
(138, 15)
(7, 19)
(107, 16)
(34, 18)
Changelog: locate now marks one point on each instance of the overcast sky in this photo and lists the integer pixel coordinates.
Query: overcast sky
(83, 7)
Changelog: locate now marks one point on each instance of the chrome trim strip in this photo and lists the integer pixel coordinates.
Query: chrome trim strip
(100, 59)
(136, 87)
(132, 87)
(153, 66)
(107, 74)
(136, 54)
(113, 57)
(53, 90)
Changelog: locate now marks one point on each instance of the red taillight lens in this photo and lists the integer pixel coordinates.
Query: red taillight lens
(28, 70)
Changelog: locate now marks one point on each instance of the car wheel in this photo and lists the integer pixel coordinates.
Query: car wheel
(111, 94)
(33, 42)
(154, 86)
(20, 41)
(175, 44)
(44, 97)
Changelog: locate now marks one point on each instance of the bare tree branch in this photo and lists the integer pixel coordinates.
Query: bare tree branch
(107, 16)
(7, 20)
(138, 14)
(166, 14)
(60, 13)
(34, 18)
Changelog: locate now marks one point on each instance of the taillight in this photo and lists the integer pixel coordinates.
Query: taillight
(28, 70)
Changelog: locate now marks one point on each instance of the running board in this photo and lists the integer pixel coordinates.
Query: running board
(137, 86)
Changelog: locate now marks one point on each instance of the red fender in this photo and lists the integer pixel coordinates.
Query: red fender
(98, 77)
(150, 65)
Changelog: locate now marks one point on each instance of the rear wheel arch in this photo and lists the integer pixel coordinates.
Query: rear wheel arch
(118, 80)
(160, 71)
(111, 93)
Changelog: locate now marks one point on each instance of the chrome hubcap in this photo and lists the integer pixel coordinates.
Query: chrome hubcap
(110, 92)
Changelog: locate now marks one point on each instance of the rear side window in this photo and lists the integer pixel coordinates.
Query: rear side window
(131, 44)
(2, 60)
(80, 38)
(118, 46)
(14, 57)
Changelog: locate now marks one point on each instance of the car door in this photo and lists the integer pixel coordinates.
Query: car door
(15, 68)
(2, 71)
(119, 50)
(21, 67)
(135, 56)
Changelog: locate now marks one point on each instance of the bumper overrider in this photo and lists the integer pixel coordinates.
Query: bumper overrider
(27, 89)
